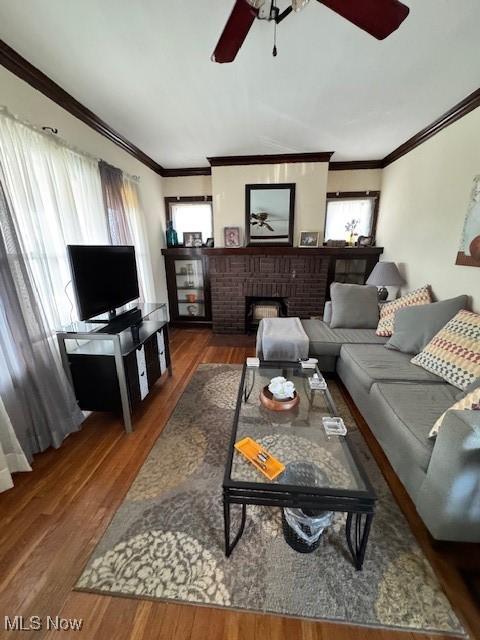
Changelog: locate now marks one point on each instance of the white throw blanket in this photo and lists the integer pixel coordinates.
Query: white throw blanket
(282, 339)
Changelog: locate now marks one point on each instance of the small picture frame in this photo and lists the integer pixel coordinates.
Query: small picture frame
(231, 236)
(192, 239)
(308, 239)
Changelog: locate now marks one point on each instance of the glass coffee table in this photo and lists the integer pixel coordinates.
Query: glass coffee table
(296, 436)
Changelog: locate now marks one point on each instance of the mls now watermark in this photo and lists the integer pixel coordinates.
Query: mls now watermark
(35, 623)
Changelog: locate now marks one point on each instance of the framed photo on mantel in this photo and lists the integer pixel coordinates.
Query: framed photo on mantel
(308, 239)
(269, 214)
(231, 237)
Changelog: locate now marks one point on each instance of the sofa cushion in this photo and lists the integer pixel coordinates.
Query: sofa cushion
(454, 352)
(358, 336)
(416, 326)
(408, 412)
(389, 309)
(373, 363)
(325, 341)
(354, 306)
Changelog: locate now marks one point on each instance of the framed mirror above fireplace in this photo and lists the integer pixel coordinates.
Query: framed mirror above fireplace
(269, 214)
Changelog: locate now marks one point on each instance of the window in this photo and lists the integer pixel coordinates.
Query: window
(345, 208)
(190, 214)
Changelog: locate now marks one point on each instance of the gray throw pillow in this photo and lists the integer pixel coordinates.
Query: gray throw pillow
(354, 306)
(415, 326)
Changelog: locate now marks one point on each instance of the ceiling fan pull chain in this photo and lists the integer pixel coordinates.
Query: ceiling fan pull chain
(274, 51)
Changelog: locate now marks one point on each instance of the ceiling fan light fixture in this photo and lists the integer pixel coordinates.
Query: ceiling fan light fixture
(298, 5)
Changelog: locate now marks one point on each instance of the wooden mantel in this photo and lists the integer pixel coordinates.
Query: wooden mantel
(348, 252)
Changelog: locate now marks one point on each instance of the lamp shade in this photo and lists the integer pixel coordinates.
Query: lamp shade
(385, 274)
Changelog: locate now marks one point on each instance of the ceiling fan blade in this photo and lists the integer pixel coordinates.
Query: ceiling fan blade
(379, 18)
(235, 31)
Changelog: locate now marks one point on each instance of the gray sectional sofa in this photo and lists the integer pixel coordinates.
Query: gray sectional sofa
(400, 402)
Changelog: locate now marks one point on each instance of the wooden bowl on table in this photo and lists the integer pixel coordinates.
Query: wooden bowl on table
(269, 402)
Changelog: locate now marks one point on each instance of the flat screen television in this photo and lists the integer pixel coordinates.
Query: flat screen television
(104, 278)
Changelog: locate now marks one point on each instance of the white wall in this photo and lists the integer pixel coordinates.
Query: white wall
(228, 191)
(424, 200)
(355, 180)
(187, 186)
(28, 104)
(227, 186)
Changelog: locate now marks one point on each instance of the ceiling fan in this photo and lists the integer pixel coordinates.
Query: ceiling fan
(379, 18)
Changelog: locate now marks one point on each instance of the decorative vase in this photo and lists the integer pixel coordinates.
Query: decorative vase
(475, 248)
(281, 388)
(172, 237)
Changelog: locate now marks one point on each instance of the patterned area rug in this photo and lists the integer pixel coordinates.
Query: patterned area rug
(166, 539)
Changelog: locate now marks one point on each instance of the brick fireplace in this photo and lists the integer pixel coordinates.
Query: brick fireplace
(299, 278)
(300, 281)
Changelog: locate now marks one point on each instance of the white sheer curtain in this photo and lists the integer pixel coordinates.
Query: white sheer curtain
(57, 198)
(12, 458)
(51, 196)
(136, 223)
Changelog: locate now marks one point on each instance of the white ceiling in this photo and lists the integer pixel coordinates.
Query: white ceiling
(144, 67)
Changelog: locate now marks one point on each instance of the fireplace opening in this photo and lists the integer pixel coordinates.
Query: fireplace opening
(259, 307)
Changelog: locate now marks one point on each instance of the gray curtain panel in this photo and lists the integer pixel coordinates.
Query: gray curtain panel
(112, 186)
(35, 391)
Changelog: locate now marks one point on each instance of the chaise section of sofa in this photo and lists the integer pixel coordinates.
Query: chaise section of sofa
(449, 498)
(326, 343)
(400, 402)
(401, 415)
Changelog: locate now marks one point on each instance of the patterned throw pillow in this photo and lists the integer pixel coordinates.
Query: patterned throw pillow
(454, 353)
(388, 310)
(470, 401)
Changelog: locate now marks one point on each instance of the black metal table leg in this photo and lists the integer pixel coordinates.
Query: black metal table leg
(226, 517)
(358, 546)
(247, 392)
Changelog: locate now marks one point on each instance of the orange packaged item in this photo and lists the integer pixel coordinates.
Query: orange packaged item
(260, 458)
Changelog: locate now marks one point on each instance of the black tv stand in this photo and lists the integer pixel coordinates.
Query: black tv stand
(114, 369)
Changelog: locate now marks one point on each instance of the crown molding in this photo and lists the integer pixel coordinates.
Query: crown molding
(458, 111)
(281, 158)
(350, 165)
(26, 71)
(191, 171)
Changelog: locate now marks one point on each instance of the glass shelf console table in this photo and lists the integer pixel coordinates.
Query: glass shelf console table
(112, 365)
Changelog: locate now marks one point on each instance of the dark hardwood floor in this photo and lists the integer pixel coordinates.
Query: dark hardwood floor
(53, 517)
